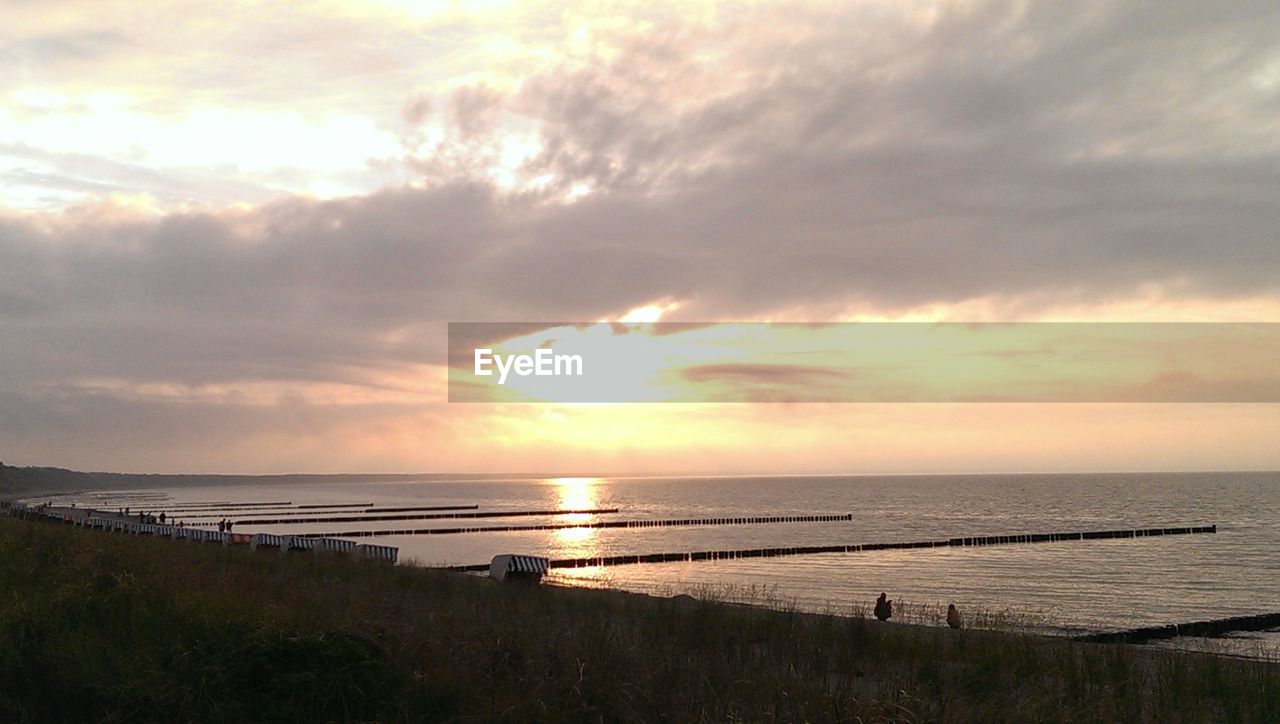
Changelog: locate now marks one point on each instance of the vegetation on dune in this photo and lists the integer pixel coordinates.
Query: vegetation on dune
(95, 626)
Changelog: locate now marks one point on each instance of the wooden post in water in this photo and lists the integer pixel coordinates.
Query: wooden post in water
(619, 560)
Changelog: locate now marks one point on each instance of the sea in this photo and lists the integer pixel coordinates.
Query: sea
(1065, 588)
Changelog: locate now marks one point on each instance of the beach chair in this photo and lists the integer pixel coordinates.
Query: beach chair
(513, 568)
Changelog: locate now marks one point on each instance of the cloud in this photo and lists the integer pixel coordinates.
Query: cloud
(784, 161)
(76, 177)
(755, 382)
(40, 51)
(990, 151)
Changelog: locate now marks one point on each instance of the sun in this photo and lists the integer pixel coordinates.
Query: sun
(576, 494)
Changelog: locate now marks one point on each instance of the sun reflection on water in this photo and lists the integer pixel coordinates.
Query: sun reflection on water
(586, 577)
(576, 494)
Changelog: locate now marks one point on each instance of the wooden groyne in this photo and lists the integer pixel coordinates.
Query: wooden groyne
(985, 540)
(192, 507)
(417, 509)
(95, 501)
(247, 517)
(1212, 628)
(338, 505)
(758, 520)
(111, 522)
(430, 516)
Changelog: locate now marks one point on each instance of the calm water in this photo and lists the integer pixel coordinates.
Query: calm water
(1082, 585)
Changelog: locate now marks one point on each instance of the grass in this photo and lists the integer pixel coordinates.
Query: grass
(103, 627)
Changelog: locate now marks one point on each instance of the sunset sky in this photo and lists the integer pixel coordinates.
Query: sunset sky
(231, 235)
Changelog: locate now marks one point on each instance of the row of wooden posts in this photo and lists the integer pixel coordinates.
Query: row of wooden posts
(467, 514)
(757, 520)
(254, 541)
(1215, 627)
(987, 540)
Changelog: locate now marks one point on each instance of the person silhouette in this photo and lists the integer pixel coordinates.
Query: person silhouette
(884, 608)
(953, 617)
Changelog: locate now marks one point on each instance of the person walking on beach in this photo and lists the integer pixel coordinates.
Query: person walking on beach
(953, 617)
(884, 608)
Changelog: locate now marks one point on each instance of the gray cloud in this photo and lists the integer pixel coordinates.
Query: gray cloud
(792, 159)
(41, 51)
(750, 382)
(77, 172)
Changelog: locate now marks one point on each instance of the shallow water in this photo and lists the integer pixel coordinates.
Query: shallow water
(1066, 586)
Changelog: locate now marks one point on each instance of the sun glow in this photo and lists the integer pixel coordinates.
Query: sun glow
(649, 313)
(576, 494)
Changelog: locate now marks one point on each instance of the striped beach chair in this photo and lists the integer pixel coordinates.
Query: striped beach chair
(267, 540)
(335, 545)
(370, 552)
(518, 568)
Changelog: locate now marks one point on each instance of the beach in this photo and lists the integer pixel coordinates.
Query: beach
(115, 627)
(1065, 588)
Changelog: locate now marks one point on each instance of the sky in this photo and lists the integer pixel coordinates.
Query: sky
(231, 235)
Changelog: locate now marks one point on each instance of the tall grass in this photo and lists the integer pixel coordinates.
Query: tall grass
(102, 627)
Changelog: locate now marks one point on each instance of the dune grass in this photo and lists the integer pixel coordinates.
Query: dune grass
(103, 627)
